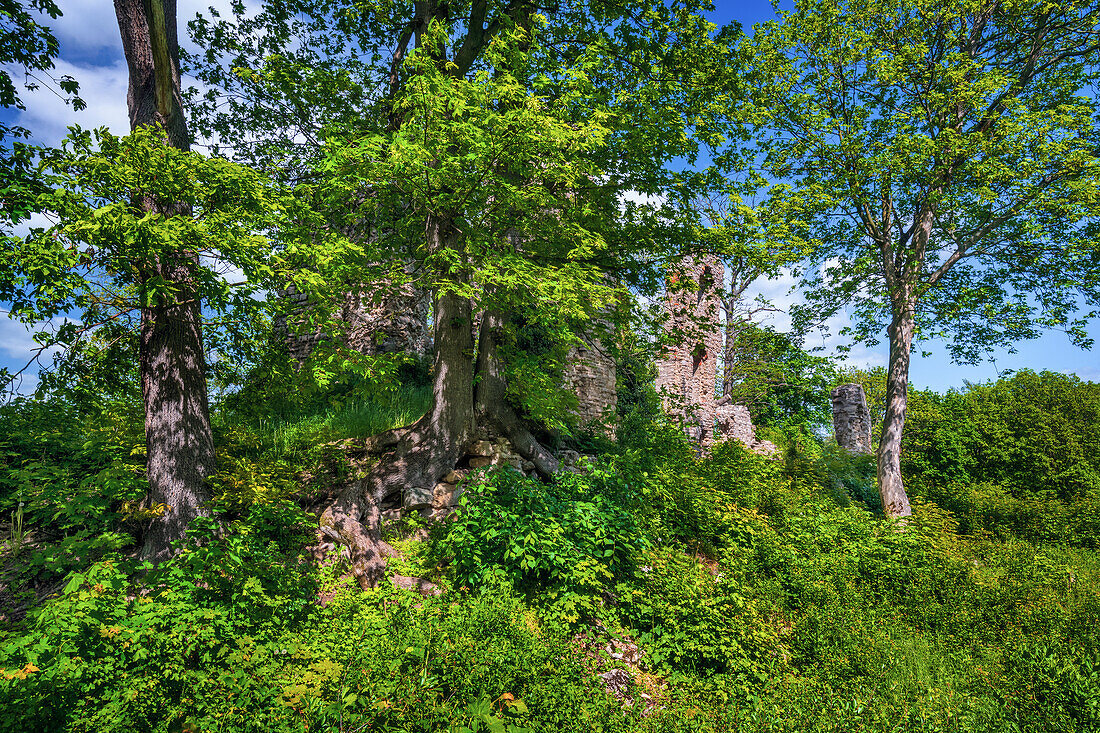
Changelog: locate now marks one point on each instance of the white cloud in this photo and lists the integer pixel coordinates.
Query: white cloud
(87, 26)
(48, 116)
(16, 339)
(90, 27)
(91, 52)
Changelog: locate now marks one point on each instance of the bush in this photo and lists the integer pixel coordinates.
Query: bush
(563, 544)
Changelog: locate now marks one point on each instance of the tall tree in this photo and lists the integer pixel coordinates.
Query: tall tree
(942, 158)
(489, 143)
(178, 438)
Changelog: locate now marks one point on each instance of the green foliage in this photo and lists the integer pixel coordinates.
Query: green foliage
(569, 541)
(762, 593)
(969, 174)
(101, 241)
(110, 654)
(699, 620)
(27, 45)
(74, 479)
(255, 653)
(1017, 457)
(781, 384)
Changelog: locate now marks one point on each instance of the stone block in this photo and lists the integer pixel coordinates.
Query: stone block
(733, 422)
(480, 448)
(441, 495)
(417, 497)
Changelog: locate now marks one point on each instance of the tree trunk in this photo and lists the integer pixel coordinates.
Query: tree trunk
(891, 489)
(492, 405)
(419, 455)
(178, 439)
(412, 457)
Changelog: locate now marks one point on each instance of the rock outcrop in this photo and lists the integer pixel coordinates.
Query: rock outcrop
(852, 419)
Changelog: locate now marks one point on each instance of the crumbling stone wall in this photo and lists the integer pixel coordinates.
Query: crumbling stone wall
(590, 375)
(687, 374)
(852, 419)
(733, 422)
(291, 328)
(373, 321)
(387, 320)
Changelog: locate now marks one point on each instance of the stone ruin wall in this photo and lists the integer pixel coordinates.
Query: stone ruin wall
(393, 321)
(590, 375)
(687, 373)
(852, 419)
(379, 321)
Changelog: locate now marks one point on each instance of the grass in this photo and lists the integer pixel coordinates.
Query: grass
(354, 419)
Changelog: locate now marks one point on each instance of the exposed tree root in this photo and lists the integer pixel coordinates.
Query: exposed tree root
(419, 455)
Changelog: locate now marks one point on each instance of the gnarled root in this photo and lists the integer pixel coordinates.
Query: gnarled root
(356, 524)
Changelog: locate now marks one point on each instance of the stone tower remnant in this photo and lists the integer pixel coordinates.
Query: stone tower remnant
(852, 419)
(590, 375)
(687, 374)
(373, 321)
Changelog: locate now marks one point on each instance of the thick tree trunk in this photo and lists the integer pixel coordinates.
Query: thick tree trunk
(891, 489)
(412, 457)
(178, 439)
(492, 406)
(419, 455)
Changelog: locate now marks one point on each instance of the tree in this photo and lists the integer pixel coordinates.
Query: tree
(489, 144)
(96, 265)
(750, 250)
(782, 385)
(27, 44)
(942, 158)
(172, 362)
(140, 228)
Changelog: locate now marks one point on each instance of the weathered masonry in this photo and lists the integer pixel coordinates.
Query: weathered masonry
(852, 419)
(687, 374)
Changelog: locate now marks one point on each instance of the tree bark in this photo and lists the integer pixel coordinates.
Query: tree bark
(172, 363)
(895, 503)
(492, 405)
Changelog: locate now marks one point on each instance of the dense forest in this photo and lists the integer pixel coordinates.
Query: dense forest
(400, 370)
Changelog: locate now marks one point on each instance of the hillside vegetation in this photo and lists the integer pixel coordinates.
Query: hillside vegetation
(735, 592)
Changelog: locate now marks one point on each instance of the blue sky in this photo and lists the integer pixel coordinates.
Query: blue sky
(91, 52)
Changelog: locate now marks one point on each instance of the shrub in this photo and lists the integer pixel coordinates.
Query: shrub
(564, 544)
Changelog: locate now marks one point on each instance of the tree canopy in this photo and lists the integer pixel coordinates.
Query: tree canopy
(942, 160)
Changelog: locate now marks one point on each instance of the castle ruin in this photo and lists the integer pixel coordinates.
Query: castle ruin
(687, 374)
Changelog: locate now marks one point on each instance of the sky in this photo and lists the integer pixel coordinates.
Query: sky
(92, 53)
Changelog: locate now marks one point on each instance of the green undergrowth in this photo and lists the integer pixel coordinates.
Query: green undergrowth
(356, 417)
(764, 595)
